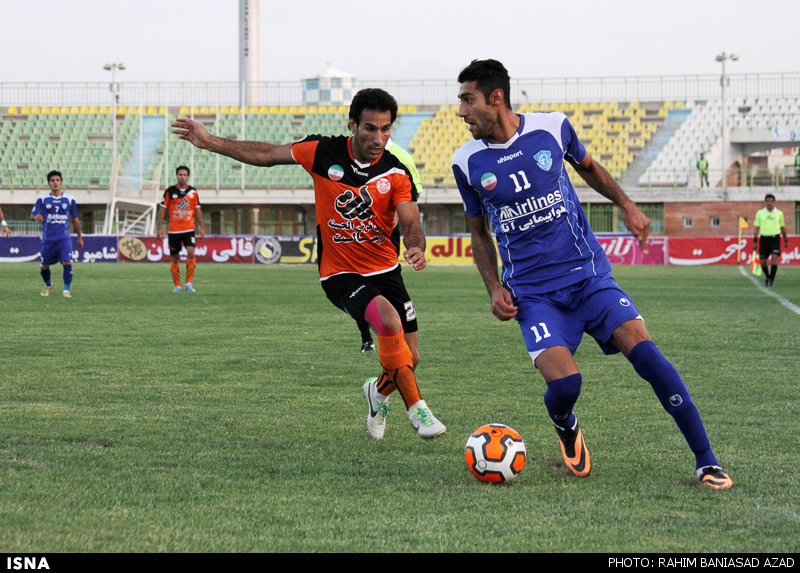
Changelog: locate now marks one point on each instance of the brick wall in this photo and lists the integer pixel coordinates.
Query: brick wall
(728, 214)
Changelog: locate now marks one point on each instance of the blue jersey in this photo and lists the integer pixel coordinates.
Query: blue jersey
(57, 213)
(543, 236)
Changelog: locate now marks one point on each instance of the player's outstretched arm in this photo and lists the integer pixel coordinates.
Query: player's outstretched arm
(483, 250)
(413, 235)
(601, 181)
(250, 152)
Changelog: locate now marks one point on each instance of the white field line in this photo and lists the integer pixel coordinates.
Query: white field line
(793, 307)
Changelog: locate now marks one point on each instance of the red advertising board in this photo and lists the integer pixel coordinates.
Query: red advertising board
(237, 249)
(625, 250)
(724, 251)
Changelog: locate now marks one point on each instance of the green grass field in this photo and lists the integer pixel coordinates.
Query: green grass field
(137, 420)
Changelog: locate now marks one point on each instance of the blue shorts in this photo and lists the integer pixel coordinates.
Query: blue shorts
(59, 251)
(596, 306)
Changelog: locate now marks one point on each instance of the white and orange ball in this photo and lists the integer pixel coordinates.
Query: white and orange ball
(495, 453)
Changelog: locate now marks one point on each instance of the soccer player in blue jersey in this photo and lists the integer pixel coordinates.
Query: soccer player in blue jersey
(556, 279)
(54, 211)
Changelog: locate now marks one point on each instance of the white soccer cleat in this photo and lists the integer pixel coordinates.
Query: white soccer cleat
(190, 288)
(176, 289)
(377, 411)
(67, 294)
(424, 422)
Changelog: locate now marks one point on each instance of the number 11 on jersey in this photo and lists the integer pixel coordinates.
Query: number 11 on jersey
(525, 183)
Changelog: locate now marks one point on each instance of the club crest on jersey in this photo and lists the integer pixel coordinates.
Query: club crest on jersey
(335, 172)
(544, 160)
(489, 181)
(384, 186)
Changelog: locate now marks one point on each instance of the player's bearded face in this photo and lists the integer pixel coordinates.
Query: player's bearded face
(371, 134)
(475, 111)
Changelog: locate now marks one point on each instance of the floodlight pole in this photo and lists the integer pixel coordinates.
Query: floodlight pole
(723, 58)
(114, 88)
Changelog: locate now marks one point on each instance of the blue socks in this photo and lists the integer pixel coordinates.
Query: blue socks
(560, 398)
(67, 276)
(651, 365)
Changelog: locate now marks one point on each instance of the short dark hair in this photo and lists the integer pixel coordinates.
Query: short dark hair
(769, 196)
(53, 174)
(374, 99)
(488, 75)
(183, 167)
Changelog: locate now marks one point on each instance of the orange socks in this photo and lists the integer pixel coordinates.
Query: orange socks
(189, 270)
(398, 368)
(175, 268)
(176, 273)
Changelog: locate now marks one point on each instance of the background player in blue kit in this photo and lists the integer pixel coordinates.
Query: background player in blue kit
(556, 279)
(54, 211)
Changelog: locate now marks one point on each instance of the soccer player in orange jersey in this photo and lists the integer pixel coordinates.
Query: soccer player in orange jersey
(359, 190)
(183, 204)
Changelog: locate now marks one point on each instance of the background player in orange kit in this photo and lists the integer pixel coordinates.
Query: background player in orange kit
(183, 204)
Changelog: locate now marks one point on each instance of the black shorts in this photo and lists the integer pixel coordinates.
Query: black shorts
(769, 246)
(352, 293)
(178, 240)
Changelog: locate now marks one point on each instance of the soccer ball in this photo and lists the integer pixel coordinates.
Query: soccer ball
(495, 453)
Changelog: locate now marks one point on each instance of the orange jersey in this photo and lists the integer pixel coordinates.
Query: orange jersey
(355, 205)
(181, 205)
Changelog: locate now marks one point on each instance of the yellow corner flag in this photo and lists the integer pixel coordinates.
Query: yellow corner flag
(743, 223)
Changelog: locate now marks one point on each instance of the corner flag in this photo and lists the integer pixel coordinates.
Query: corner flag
(743, 222)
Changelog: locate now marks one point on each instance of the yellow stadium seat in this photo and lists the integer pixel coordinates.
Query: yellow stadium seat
(401, 109)
(37, 110)
(234, 109)
(12, 111)
(121, 110)
(312, 109)
(264, 109)
(225, 109)
(185, 110)
(253, 109)
(93, 109)
(292, 109)
(75, 109)
(162, 110)
(411, 109)
(84, 109)
(343, 109)
(274, 109)
(104, 109)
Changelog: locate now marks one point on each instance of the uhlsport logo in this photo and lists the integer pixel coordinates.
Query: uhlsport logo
(675, 400)
(624, 302)
(489, 181)
(335, 172)
(544, 160)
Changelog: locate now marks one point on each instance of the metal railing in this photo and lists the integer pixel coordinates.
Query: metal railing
(417, 92)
